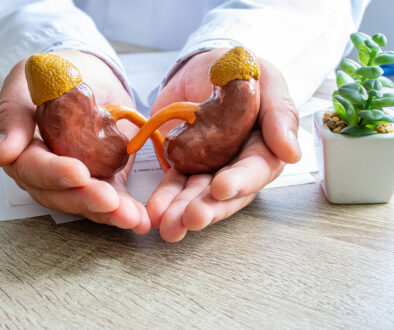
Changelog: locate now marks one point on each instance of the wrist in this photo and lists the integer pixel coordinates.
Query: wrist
(106, 86)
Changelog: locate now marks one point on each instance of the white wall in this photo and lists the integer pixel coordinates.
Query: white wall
(379, 17)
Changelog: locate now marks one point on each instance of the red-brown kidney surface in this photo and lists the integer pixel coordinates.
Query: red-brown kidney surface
(222, 126)
(74, 126)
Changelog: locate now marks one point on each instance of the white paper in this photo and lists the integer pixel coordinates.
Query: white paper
(307, 164)
(15, 195)
(313, 104)
(10, 212)
(143, 180)
(145, 72)
(291, 180)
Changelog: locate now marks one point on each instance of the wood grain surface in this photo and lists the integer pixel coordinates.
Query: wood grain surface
(288, 260)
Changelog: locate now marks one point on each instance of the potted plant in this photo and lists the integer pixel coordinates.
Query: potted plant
(355, 139)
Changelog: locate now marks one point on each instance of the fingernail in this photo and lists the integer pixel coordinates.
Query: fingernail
(67, 182)
(3, 136)
(112, 222)
(292, 138)
(92, 207)
(231, 194)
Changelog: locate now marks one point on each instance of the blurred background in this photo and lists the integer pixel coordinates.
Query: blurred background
(379, 17)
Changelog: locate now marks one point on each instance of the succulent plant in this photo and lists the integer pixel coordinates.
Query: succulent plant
(360, 101)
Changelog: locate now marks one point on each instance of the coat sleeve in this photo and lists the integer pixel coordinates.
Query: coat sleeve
(304, 39)
(44, 26)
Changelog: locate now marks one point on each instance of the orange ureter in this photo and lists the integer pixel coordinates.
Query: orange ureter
(123, 112)
(180, 110)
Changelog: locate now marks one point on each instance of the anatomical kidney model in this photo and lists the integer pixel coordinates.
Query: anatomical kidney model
(71, 124)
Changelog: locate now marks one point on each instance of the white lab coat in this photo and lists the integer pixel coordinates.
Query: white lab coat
(305, 39)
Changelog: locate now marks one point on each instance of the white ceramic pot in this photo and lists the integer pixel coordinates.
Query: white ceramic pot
(354, 170)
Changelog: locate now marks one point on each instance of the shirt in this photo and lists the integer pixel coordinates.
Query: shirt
(304, 39)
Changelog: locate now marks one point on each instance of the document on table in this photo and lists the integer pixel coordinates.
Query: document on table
(145, 72)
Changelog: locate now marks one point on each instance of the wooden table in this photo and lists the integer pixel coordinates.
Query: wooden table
(289, 260)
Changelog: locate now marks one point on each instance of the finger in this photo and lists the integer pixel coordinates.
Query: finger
(171, 226)
(119, 180)
(170, 94)
(95, 197)
(16, 130)
(171, 185)
(16, 115)
(204, 210)
(38, 168)
(188, 84)
(130, 214)
(279, 118)
(145, 225)
(255, 168)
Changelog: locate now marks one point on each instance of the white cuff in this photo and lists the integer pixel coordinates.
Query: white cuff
(193, 49)
(108, 57)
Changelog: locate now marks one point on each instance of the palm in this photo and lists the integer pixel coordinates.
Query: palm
(63, 183)
(181, 202)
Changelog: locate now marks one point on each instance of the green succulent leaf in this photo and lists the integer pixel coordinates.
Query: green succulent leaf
(387, 119)
(358, 39)
(363, 57)
(358, 107)
(359, 99)
(372, 46)
(374, 84)
(349, 66)
(351, 114)
(339, 109)
(375, 93)
(370, 72)
(370, 116)
(386, 82)
(388, 115)
(343, 78)
(380, 39)
(384, 58)
(385, 101)
(354, 92)
(358, 131)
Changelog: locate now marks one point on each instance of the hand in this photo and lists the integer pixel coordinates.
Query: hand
(182, 203)
(63, 183)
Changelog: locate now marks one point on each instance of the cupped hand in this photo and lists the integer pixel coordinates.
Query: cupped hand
(182, 203)
(63, 183)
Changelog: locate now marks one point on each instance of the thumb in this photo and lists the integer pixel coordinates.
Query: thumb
(171, 93)
(17, 122)
(278, 116)
(191, 83)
